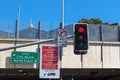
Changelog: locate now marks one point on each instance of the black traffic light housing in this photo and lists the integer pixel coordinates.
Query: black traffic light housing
(80, 38)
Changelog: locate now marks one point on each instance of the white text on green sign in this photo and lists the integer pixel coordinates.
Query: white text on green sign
(24, 57)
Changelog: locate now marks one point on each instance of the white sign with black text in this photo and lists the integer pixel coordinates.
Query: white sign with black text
(62, 40)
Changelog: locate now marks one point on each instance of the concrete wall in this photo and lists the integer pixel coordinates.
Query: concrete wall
(100, 55)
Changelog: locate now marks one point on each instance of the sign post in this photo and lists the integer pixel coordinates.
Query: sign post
(49, 62)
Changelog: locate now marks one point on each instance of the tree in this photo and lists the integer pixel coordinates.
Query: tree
(91, 21)
(84, 20)
(96, 20)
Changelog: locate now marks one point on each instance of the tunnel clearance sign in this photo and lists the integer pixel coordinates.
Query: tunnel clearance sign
(24, 57)
(49, 61)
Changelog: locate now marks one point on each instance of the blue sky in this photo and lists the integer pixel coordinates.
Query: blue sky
(50, 10)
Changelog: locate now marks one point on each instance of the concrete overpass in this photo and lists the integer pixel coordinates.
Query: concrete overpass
(101, 62)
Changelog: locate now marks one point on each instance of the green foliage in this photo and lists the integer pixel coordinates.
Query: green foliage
(96, 21)
(91, 21)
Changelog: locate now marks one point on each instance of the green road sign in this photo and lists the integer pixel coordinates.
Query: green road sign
(24, 57)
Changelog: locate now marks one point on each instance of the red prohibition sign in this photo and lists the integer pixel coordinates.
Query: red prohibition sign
(61, 33)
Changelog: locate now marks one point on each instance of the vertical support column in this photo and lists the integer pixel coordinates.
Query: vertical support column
(119, 37)
(39, 36)
(118, 33)
(16, 34)
(101, 45)
(60, 49)
(100, 32)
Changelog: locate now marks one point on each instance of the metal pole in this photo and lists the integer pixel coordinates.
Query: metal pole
(118, 33)
(100, 32)
(26, 44)
(63, 14)
(101, 39)
(16, 29)
(39, 36)
(16, 35)
(18, 22)
(8, 31)
(39, 33)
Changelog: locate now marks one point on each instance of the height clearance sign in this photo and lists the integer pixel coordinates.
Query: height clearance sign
(49, 61)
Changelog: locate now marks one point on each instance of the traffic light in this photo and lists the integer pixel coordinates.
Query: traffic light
(80, 38)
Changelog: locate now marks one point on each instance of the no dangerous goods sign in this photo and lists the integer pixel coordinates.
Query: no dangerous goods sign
(62, 41)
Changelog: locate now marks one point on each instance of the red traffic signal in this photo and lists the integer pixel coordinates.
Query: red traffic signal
(81, 29)
(80, 38)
